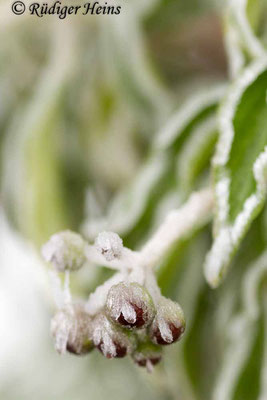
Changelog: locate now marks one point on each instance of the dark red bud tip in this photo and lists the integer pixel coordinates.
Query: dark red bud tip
(147, 354)
(130, 305)
(86, 347)
(153, 360)
(121, 351)
(176, 334)
(139, 322)
(71, 349)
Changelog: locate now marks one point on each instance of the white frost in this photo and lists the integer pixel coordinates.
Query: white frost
(61, 327)
(97, 299)
(65, 250)
(243, 218)
(260, 171)
(250, 40)
(228, 109)
(222, 200)
(228, 236)
(218, 257)
(109, 244)
(185, 115)
(123, 297)
(107, 337)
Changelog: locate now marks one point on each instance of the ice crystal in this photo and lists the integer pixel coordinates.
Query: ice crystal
(169, 323)
(218, 257)
(109, 244)
(260, 170)
(229, 236)
(62, 327)
(120, 315)
(222, 197)
(130, 304)
(228, 109)
(243, 217)
(97, 299)
(71, 329)
(109, 339)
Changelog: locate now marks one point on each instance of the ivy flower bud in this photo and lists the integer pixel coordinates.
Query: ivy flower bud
(169, 323)
(109, 244)
(147, 355)
(65, 250)
(110, 340)
(71, 329)
(130, 305)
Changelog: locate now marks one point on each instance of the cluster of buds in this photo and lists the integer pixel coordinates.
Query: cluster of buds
(123, 316)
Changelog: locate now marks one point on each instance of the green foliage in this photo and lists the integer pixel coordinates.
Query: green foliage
(249, 141)
(79, 152)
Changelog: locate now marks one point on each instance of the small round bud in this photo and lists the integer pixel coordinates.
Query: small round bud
(130, 305)
(109, 244)
(147, 355)
(71, 329)
(110, 340)
(65, 250)
(169, 324)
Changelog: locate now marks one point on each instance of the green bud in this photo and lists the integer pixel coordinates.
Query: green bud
(169, 323)
(110, 339)
(130, 305)
(65, 250)
(71, 330)
(147, 354)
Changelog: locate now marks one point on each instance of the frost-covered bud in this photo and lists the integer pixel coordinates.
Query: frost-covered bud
(110, 339)
(147, 355)
(71, 330)
(130, 305)
(109, 244)
(65, 250)
(169, 323)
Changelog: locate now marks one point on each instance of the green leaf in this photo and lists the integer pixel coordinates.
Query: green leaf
(242, 338)
(196, 152)
(35, 197)
(239, 166)
(242, 18)
(134, 207)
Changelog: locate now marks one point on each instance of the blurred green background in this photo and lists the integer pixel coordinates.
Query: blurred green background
(82, 101)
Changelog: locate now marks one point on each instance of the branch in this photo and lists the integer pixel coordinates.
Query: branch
(128, 259)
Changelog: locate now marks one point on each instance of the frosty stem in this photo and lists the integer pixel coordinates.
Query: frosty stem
(137, 266)
(179, 223)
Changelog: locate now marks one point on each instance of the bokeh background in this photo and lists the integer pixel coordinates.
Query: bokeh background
(81, 101)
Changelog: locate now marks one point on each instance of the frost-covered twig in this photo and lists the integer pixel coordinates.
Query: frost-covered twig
(135, 266)
(127, 260)
(177, 225)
